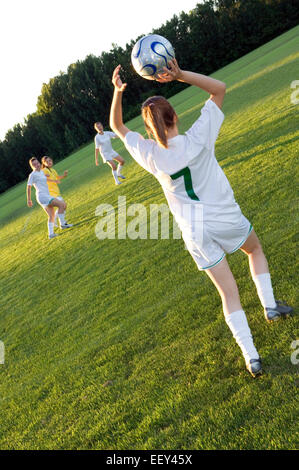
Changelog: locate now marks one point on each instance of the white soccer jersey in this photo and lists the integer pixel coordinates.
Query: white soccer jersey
(103, 143)
(39, 180)
(197, 190)
(188, 170)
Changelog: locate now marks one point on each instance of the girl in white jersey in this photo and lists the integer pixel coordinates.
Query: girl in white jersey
(103, 146)
(38, 179)
(200, 197)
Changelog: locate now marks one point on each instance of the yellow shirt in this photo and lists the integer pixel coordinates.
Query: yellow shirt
(53, 187)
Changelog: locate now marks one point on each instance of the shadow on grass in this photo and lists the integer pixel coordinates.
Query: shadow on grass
(273, 368)
(250, 91)
(85, 221)
(17, 236)
(258, 152)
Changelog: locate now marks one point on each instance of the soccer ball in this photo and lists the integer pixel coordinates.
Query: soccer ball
(150, 54)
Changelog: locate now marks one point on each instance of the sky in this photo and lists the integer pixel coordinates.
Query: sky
(39, 38)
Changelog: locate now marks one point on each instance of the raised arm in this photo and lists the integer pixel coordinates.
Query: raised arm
(214, 87)
(49, 180)
(65, 173)
(116, 113)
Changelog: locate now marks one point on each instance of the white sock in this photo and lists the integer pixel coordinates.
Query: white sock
(119, 169)
(56, 217)
(264, 290)
(50, 228)
(61, 219)
(114, 173)
(237, 322)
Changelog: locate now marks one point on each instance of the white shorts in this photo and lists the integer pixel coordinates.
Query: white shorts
(112, 154)
(44, 200)
(217, 241)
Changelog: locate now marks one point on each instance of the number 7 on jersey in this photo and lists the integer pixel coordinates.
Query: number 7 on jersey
(186, 174)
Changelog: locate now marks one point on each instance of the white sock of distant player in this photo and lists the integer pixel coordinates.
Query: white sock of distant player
(265, 290)
(61, 219)
(119, 167)
(114, 173)
(56, 218)
(50, 228)
(237, 322)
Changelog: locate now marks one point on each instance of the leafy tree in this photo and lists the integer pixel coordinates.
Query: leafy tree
(208, 37)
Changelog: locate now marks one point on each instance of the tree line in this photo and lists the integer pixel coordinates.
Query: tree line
(205, 39)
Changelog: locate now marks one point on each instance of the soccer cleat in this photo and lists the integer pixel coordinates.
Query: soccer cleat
(117, 183)
(66, 226)
(281, 310)
(53, 235)
(254, 367)
(122, 177)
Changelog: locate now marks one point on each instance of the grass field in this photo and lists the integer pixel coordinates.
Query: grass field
(121, 344)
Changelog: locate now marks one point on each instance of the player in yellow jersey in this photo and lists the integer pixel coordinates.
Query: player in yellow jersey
(47, 167)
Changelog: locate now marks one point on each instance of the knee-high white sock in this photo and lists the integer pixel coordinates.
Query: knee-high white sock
(265, 290)
(50, 228)
(237, 322)
(56, 217)
(119, 167)
(114, 173)
(61, 219)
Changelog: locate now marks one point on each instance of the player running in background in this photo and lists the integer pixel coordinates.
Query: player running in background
(103, 145)
(38, 179)
(191, 178)
(47, 167)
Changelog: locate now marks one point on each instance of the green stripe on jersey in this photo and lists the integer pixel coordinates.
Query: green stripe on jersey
(186, 173)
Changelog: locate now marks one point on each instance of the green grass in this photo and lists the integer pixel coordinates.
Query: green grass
(121, 344)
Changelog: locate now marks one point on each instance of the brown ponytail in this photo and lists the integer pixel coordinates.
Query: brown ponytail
(158, 116)
(44, 163)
